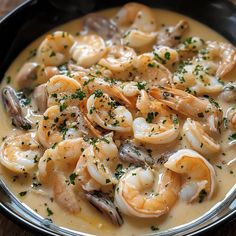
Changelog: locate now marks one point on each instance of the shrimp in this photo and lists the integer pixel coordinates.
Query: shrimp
(206, 110)
(198, 78)
(145, 193)
(88, 50)
(55, 168)
(147, 68)
(198, 139)
(166, 55)
(44, 73)
(63, 90)
(229, 92)
(136, 16)
(104, 111)
(54, 50)
(198, 174)
(160, 126)
(170, 36)
(224, 54)
(138, 39)
(20, 153)
(60, 122)
(118, 59)
(62, 158)
(98, 161)
(107, 86)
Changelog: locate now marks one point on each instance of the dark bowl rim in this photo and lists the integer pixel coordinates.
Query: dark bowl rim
(6, 211)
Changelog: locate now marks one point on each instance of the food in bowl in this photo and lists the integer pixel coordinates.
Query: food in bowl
(129, 111)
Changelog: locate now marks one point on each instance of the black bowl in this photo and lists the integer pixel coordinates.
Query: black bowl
(35, 17)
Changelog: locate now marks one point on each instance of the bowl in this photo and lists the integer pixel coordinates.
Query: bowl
(34, 18)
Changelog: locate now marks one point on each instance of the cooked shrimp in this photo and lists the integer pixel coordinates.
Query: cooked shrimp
(44, 73)
(198, 78)
(88, 50)
(107, 86)
(159, 126)
(118, 58)
(170, 36)
(104, 111)
(138, 39)
(148, 69)
(61, 158)
(63, 90)
(20, 153)
(197, 172)
(101, 160)
(55, 168)
(54, 50)
(190, 106)
(166, 55)
(229, 92)
(60, 122)
(224, 54)
(145, 193)
(136, 16)
(198, 139)
(131, 89)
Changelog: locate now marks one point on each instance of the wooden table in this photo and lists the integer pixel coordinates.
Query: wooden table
(8, 228)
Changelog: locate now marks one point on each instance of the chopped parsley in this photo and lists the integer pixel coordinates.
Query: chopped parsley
(202, 195)
(72, 178)
(49, 211)
(151, 116)
(23, 193)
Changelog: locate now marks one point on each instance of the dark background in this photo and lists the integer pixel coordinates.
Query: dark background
(8, 228)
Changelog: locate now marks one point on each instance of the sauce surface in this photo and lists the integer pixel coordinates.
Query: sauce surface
(89, 219)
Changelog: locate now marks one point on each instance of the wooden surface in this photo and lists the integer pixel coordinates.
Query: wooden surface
(8, 228)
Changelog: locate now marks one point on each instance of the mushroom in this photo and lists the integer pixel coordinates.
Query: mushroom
(130, 153)
(170, 36)
(13, 108)
(104, 204)
(26, 75)
(40, 97)
(102, 26)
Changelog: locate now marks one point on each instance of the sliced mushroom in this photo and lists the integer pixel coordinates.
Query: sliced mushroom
(171, 36)
(130, 153)
(27, 75)
(13, 108)
(40, 97)
(104, 204)
(102, 26)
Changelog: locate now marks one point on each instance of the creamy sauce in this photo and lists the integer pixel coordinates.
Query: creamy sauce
(89, 219)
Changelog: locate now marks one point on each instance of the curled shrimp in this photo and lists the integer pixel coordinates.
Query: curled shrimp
(198, 139)
(159, 126)
(144, 193)
(54, 50)
(88, 50)
(136, 16)
(101, 159)
(104, 111)
(224, 54)
(147, 68)
(20, 153)
(197, 173)
(231, 117)
(206, 110)
(63, 158)
(138, 39)
(62, 89)
(107, 86)
(55, 168)
(60, 122)
(170, 36)
(198, 78)
(118, 59)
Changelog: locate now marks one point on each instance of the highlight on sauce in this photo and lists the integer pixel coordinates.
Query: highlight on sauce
(122, 125)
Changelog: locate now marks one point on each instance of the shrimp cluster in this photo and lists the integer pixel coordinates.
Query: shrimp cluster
(110, 102)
